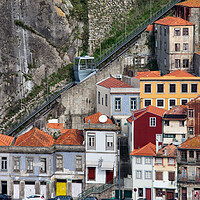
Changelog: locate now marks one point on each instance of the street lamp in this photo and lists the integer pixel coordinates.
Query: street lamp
(119, 168)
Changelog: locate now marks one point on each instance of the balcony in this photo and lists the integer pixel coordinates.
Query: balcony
(188, 179)
(189, 161)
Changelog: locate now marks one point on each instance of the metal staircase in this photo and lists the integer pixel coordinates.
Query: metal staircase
(125, 43)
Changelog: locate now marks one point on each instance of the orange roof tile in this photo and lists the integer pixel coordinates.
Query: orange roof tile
(71, 137)
(114, 83)
(177, 110)
(179, 73)
(171, 151)
(147, 150)
(190, 3)
(147, 74)
(94, 119)
(150, 28)
(55, 125)
(192, 143)
(151, 109)
(173, 21)
(6, 140)
(35, 138)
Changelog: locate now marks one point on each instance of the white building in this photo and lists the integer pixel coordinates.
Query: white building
(101, 149)
(142, 171)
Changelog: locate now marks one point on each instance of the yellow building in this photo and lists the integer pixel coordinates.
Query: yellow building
(176, 88)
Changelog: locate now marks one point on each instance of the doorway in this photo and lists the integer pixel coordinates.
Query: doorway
(109, 176)
(4, 187)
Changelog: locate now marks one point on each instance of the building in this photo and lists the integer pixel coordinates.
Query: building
(100, 134)
(197, 63)
(165, 173)
(176, 88)
(118, 99)
(142, 171)
(189, 169)
(193, 124)
(144, 126)
(174, 44)
(175, 125)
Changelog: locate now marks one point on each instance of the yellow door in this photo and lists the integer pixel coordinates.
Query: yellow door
(61, 189)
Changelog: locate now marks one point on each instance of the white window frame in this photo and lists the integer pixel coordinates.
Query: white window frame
(158, 159)
(147, 159)
(163, 103)
(138, 172)
(191, 88)
(169, 88)
(148, 174)
(185, 45)
(144, 102)
(152, 121)
(92, 142)
(134, 105)
(157, 88)
(144, 88)
(78, 162)
(182, 100)
(187, 88)
(4, 163)
(170, 107)
(138, 160)
(109, 142)
(118, 104)
(171, 163)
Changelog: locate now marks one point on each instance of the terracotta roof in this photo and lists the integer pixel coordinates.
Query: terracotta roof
(190, 3)
(195, 99)
(55, 125)
(6, 140)
(151, 109)
(177, 110)
(173, 21)
(35, 138)
(192, 143)
(94, 119)
(171, 151)
(150, 28)
(71, 137)
(147, 74)
(179, 73)
(114, 83)
(147, 150)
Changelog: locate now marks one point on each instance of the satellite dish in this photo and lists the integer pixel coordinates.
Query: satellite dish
(103, 118)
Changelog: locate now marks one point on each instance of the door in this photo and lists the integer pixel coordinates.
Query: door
(76, 188)
(184, 193)
(109, 176)
(43, 189)
(4, 187)
(16, 190)
(148, 193)
(61, 188)
(29, 188)
(170, 194)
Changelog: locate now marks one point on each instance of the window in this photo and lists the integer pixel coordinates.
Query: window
(184, 101)
(177, 46)
(147, 102)
(3, 163)
(165, 31)
(191, 154)
(184, 88)
(177, 32)
(147, 160)
(133, 103)
(138, 174)
(185, 63)
(78, 162)
(160, 103)
(59, 163)
(172, 88)
(194, 88)
(159, 176)
(160, 88)
(166, 122)
(181, 123)
(117, 104)
(159, 192)
(185, 46)
(147, 174)
(147, 88)
(165, 61)
(152, 122)
(109, 142)
(177, 63)
(185, 31)
(184, 172)
(171, 176)
(159, 137)
(91, 142)
(43, 167)
(119, 123)
(138, 160)
(158, 161)
(140, 192)
(142, 61)
(29, 165)
(191, 130)
(91, 173)
(198, 155)
(184, 155)
(98, 97)
(172, 102)
(102, 101)
(16, 164)
(106, 100)
(171, 161)
(191, 113)
(165, 47)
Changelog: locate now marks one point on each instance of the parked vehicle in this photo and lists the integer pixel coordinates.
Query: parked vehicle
(5, 197)
(35, 197)
(62, 198)
(90, 198)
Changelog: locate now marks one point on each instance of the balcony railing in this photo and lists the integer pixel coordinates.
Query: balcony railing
(188, 179)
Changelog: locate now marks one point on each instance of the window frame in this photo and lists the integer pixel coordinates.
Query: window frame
(136, 174)
(145, 88)
(177, 63)
(169, 106)
(91, 144)
(171, 178)
(138, 158)
(134, 104)
(99, 97)
(163, 88)
(78, 158)
(170, 88)
(118, 106)
(14, 161)
(60, 165)
(111, 148)
(196, 88)
(157, 174)
(177, 32)
(89, 179)
(106, 99)
(145, 174)
(4, 164)
(145, 103)
(184, 46)
(158, 163)
(148, 163)
(184, 100)
(170, 163)
(185, 63)
(28, 159)
(184, 31)
(160, 100)
(190, 113)
(152, 121)
(183, 88)
(45, 170)
(177, 47)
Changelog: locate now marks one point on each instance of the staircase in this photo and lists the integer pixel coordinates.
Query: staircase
(100, 189)
(125, 43)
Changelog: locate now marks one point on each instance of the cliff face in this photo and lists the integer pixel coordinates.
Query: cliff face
(36, 38)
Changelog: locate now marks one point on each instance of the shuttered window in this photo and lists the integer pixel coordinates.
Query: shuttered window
(171, 176)
(159, 176)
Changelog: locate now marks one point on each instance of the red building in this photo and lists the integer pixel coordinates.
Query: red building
(144, 126)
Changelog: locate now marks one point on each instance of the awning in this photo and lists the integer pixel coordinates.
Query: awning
(91, 163)
(107, 166)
